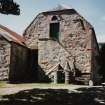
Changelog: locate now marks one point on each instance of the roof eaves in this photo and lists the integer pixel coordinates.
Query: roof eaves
(10, 35)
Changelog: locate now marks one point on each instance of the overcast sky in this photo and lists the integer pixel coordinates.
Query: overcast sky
(92, 10)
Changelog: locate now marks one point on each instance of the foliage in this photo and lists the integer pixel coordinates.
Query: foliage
(9, 7)
(102, 61)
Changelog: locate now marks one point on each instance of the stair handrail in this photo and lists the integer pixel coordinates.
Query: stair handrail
(52, 69)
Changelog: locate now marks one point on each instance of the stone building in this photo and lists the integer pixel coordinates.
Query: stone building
(66, 45)
(14, 56)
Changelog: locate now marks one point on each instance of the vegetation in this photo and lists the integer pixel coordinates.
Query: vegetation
(2, 84)
(9, 7)
(102, 62)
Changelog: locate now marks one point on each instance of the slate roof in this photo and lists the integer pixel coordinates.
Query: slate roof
(11, 36)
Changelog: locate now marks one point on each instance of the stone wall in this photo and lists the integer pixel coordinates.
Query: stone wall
(4, 58)
(75, 40)
(75, 36)
(96, 67)
(52, 53)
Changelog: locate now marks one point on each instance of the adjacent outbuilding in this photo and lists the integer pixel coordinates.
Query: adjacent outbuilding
(14, 57)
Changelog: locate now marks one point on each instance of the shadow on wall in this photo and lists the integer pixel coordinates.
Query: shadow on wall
(83, 96)
(25, 68)
(24, 65)
(42, 77)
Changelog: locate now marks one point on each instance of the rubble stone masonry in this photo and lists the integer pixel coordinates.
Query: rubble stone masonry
(76, 43)
(4, 59)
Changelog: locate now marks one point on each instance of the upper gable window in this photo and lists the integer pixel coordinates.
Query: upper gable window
(54, 18)
(54, 28)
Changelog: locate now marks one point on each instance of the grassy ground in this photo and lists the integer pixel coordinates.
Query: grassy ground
(14, 88)
(2, 84)
(50, 94)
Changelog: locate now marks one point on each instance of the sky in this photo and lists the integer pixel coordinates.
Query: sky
(92, 10)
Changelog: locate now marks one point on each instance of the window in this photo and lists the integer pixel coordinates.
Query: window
(54, 18)
(54, 28)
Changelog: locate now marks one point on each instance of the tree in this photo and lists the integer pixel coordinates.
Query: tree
(102, 61)
(9, 7)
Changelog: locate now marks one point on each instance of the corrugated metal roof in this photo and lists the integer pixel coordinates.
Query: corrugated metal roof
(11, 35)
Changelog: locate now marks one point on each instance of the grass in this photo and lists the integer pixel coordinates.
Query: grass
(6, 88)
(2, 84)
